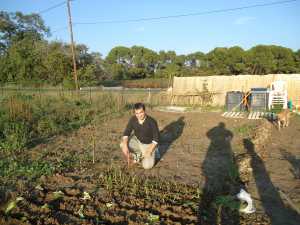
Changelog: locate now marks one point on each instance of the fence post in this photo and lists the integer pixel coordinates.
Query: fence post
(149, 96)
(90, 95)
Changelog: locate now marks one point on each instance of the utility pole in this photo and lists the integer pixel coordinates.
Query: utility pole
(72, 45)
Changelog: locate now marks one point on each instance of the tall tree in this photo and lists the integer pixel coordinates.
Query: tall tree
(218, 61)
(17, 26)
(260, 60)
(236, 60)
(283, 59)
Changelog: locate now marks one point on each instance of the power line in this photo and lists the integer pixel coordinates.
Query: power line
(186, 15)
(177, 16)
(52, 7)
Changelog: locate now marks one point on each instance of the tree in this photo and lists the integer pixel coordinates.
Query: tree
(118, 71)
(144, 58)
(218, 61)
(15, 27)
(57, 62)
(236, 60)
(260, 60)
(196, 59)
(23, 62)
(283, 59)
(120, 55)
(297, 61)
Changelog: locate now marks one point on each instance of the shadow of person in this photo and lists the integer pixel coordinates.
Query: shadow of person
(269, 195)
(294, 161)
(221, 178)
(169, 134)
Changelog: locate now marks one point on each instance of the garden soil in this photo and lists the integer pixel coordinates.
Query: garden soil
(198, 150)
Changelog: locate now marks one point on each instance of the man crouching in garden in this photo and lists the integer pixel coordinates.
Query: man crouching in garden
(142, 146)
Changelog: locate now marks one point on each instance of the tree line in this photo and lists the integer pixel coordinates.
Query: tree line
(26, 56)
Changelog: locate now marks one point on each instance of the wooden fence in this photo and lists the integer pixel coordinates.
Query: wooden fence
(190, 90)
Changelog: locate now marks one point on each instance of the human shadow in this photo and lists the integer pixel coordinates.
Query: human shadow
(294, 161)
(270, 197)
(221, 179)
(169, 134)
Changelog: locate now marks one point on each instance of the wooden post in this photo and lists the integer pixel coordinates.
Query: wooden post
(72, 45)
(90, 95)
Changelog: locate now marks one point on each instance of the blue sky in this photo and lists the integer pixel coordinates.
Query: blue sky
(275, 24)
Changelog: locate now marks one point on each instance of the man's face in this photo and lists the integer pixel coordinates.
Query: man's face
(140, 114)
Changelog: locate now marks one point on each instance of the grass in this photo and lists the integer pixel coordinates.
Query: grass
(244, 130)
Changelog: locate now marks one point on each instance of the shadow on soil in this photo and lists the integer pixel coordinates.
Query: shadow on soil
(271, 200)
(294, 161)
(169, 134)
(221, 179)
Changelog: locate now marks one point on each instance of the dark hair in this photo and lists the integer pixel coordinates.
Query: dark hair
(139, 105)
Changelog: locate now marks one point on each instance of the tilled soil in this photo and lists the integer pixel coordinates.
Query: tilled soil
(198, 150)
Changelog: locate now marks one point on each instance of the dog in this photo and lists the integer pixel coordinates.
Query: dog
(283, 118)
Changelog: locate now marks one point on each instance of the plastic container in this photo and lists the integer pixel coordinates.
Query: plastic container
(233, 101)
(290, 105)
(259, 99)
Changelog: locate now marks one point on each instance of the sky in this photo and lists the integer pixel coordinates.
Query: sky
(276, 24)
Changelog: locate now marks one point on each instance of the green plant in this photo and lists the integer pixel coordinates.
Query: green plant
(227, 201)
(46, 127)
(233, 172)
(15, 135)
(24, 168)
(244, 129)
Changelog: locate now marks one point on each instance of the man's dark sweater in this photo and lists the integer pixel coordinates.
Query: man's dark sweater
(145, 132)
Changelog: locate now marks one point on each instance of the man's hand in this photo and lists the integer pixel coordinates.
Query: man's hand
(125, 151)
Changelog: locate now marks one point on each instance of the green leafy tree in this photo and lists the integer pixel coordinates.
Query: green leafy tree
(236, 60)
(118, 71)
(57, 62)
(260, 60)
(283, 59)
(297, 61)
(196, 59)
(218, 61)
(120, 55)
(17, 26)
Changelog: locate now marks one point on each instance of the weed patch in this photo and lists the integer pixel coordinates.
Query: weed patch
(244, 130)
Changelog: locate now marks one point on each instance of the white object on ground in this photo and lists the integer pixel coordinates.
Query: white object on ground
(245, 196)
(86, 196)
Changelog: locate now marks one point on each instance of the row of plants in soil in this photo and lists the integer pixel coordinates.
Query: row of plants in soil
(120, 197)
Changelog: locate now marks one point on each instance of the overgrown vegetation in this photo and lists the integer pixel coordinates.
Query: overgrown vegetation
(26, 120)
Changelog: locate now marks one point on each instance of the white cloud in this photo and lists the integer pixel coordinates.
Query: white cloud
(243, 20)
